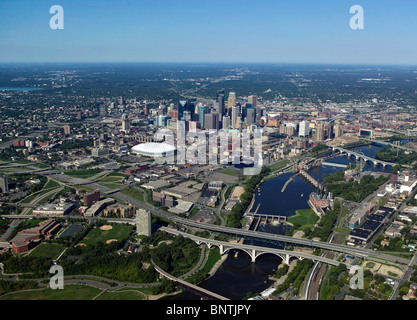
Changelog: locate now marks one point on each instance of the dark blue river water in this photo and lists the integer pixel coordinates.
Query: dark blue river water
(238, 275)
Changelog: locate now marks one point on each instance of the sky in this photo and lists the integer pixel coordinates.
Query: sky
(265, 31)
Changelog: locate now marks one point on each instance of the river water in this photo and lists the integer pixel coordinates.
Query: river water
(238, 275)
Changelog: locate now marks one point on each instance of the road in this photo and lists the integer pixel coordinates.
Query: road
(406, 277)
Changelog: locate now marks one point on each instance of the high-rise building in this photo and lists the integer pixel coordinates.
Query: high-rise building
(181, 107)
(226, 122)
(202, 111)
(125, 123)
(91, 198)
(304, 130)
(146, 110)
(160, 121)
(187, 116)
(220, 103)
(338, 131)
(211, 121)
(250, 116)
(143, 222)
(4, 184)
(253, 100)
(330, 131)
(235, 115)
(319, 133)
(232, 100)
(245, 110)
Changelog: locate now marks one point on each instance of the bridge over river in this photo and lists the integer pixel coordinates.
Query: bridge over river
(358, 156)
(253, 251)
(192, 287)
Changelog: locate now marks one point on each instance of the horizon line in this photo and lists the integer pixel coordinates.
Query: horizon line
(213, 62)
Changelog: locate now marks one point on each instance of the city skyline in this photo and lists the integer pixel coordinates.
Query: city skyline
(193, 31)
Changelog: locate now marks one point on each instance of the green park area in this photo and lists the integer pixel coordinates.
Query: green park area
(70, 292)
(305, 218)
(230, 172)
(76, 292)
(279, 165)
(106, 233)
(48, 250)
(125, 294)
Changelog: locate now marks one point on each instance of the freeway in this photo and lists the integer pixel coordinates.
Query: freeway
(248, 248)
(357, 252)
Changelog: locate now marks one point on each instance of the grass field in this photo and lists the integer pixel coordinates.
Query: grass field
(70, 292)
(305, 218)
(111, 179)
(230, 172)
(279, 165)
(134, 193)
(118, 232)
(131, 294)
(47, 250)
(51, 185)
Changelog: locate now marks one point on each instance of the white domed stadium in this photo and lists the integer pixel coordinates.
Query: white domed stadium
(154, 149)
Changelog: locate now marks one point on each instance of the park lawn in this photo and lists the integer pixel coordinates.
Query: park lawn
(304, 218)
(70, 292)
(47, 250)
(119, 232)
(131, 294)
(279, 165)
(230, 172)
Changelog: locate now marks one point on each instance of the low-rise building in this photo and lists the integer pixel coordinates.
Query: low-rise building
(27, 239)
(54, 209)
(119, 210)
(98, 206)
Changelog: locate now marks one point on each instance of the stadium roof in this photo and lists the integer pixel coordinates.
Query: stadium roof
(153, 149)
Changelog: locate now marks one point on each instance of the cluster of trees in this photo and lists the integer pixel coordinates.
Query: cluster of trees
(38, 267)
(331, 288)
(19, 181)
(296, 277)
(8, 153)
(354, 190)
(102, 261)
(282, 271)
(235, 216)
(325, 225)
(389, 154)
(75, 144)
(3, 225)
(319, 148)
(177, 257)
(10, 286)
(374, 287)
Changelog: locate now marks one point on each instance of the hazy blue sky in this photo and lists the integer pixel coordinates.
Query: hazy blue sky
(304, 31)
